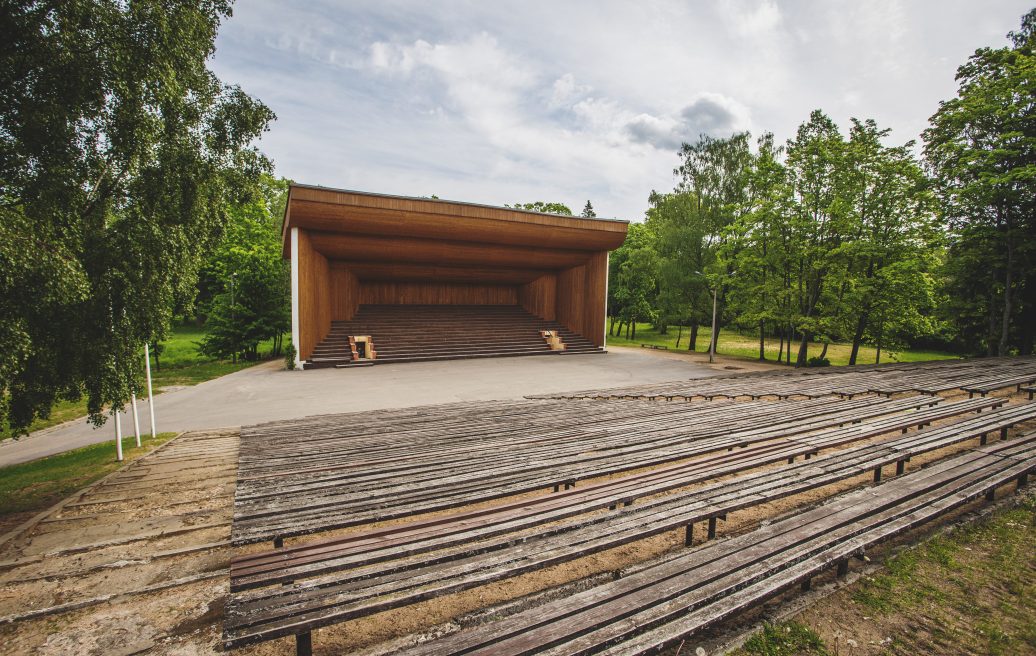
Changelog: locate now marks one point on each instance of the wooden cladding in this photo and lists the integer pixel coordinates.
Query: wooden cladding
(395, 293)
(407, 250)
(346, 219)
(345, 293)
(540, 297)
(581, 302)
(314, 296)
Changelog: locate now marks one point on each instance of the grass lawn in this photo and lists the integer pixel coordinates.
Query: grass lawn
(968, 591)
(734, 343)
(32, 486)
(181, 364)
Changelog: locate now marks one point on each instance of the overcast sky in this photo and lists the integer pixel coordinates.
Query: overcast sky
(503, 102)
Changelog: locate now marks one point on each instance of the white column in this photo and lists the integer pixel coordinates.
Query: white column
(136, 421)
(150, 397)
(295, 296)
(607, 270)
(118, 434)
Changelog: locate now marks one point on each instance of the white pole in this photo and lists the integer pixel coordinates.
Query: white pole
(150, 397)
(136, 422)
(712, 343)
(296, 330)
(118, 434)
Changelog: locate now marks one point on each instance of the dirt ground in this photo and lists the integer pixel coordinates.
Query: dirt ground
(138, 563)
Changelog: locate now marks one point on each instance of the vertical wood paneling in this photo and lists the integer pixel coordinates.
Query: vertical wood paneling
(413, 293)
(314, 296)
(580, 298)
(540, 297)
(345, 293)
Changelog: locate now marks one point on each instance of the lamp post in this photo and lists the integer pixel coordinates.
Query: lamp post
(715, 292)
(233, 312)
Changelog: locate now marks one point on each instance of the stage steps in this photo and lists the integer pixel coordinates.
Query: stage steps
(419, 333)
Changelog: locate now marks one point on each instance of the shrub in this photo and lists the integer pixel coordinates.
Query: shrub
(289, 357)
(818, 362)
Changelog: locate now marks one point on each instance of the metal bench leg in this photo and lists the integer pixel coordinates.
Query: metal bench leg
(991, 494)
(791, 460)
(688, 538)
(807, 584)
(900, 467)
(1022, 480)
(982, 440)
(712, 528)
(278, 542)
(1003, 433)
(557, 487)
(843, 567)
(877, 474)
(304, 644)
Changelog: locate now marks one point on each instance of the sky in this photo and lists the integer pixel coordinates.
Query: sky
(501, 102)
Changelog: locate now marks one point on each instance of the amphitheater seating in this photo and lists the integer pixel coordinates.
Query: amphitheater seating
(415, 333)
(361, 575)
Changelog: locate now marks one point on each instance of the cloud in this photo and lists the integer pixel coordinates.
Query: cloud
(710, 114)
(494, 103)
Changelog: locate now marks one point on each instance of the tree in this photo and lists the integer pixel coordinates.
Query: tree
(982, 147)
(120, 154)
(545, 208)
(252, 300)
(683, 240)
(588, 211)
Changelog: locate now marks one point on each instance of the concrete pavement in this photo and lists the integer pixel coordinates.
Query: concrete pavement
(266, 392)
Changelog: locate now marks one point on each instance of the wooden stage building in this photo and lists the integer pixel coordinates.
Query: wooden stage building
(377, 278)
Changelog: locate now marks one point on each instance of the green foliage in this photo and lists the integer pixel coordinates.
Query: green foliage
(120, 153)
(982, 148)
(546, 208)
(249, 279)
(588, 211)
(818, 362)
(826, 238)
(784, 639)
(289, 356)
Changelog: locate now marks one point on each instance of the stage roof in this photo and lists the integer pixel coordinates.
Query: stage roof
(397, 238)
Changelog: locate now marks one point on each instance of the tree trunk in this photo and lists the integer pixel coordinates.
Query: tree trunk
(800, 360)
(990, 348)
(634, 322)
(787, 351)
(861, 326)
(780, 349)
(611, 325)
(693, 340)
(1005, 327)
(762, 339)
(679, 334)
(627, 330)
(823, 351)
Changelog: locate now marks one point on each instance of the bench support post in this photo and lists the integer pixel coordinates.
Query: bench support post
(278, 542)
(806, 584)
(304, 644)
(877, 474)
(1022, 480)
(991, 494)
(1003, 433)
(688, 538)
(900, 467)
(843, 567)
(982, 440)
(712, 528)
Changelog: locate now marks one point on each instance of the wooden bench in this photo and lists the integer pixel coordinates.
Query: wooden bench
(369, 577)
(1030, 389)
(268, 568)
(987, 385)
(296, 486)
(663, 603)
